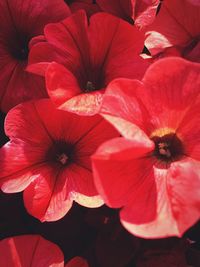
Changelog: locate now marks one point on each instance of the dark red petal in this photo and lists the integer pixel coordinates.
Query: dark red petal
(41, 54)
(70, 37)
(16, 90)
(21, 20)
(110, 46)
(172, 28)
(29, 250)
(114, 175)
(123, 9)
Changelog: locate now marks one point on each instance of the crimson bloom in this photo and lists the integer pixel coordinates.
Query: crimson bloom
(48, 157)
(91, 56)
(20, 21)
(30, 250)
(153, 171)
(175, 31)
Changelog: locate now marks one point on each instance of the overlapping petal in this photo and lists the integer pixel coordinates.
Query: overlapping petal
(93, 55)
(20, 21)
(48, 157)
(147, 184)
(29, 250)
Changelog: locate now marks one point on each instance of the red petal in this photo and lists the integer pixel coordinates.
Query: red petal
(110, 46)
(81, 186)
(47, 197)
(29, 250)
(183, 183)
(123, 9)
(177, 207)
(114, 175)
(22, 20)
(70, 37)
(84, 104)
(77, 262)
(164, 101)
(16, 91)
(61, 83)
(41, 55)
(172, 28)
(119, 101)
(21, 120)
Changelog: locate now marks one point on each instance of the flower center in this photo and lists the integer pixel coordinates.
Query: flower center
(20, 49)
(62, 158)
(90, 87)
(168, 147)
(60, 152)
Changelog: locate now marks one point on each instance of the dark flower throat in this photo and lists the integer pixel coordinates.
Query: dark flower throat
(168, 148)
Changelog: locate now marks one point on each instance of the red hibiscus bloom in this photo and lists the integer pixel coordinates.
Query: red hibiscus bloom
(142, 12)
(20, 21)
(49, 156)
(175, 31)
(77, 262)
(92, 55)
(29, 250)
(153, 172)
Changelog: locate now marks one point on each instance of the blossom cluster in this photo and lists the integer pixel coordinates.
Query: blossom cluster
(102, 105)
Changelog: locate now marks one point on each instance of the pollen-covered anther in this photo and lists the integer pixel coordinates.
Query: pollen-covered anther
(62, 158)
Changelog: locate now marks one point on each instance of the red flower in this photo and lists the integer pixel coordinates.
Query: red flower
(49, 156)
(77, 262)
(29, 250)
(153, 172)
(176, 31)
(92, 56)
(142, 12)
(20, 21)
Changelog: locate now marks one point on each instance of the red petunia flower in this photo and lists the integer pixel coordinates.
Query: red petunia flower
(91, 56)
(48, 157)
(140, 12)
(153, 171)
(175, 31)
(77, 262)
(30, 250)
(20, 21)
